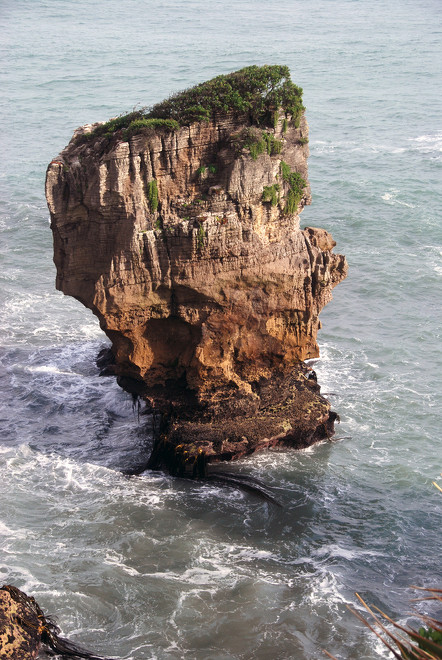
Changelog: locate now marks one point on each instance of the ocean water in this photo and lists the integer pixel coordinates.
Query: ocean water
(155, 567)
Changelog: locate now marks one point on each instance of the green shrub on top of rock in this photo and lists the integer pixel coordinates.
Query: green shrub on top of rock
(258, 93)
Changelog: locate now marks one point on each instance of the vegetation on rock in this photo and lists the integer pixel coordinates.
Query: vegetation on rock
(152, 195)
(296, 189)
(256, 92)
(143, 126)
(270, 194)
(258, 143)
(203, 169)
(201, 235)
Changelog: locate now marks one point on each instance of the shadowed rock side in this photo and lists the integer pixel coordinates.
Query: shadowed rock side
(209, 293)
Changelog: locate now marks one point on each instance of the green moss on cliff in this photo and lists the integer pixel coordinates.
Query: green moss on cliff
(258, 143)
(144, 125)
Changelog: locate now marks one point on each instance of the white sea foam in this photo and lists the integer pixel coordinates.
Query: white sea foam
(49, 369)
(427, 144)
(6, 531)
(45, 314)
(430, 143)
(26, 464)
(197, 575)
(392, 197)
(334, 550)
(326, 585)
(115, 559)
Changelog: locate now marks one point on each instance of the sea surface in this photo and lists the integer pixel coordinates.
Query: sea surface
(156, 567)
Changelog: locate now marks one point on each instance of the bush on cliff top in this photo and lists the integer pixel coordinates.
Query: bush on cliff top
(143, 125)
(258, 92)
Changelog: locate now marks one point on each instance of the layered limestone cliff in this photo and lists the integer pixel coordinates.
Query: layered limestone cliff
(185, 242)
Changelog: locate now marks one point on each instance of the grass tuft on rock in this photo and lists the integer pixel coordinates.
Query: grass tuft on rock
(270, 194)
(152, 195)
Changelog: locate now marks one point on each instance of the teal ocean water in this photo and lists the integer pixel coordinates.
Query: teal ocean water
(154, 567)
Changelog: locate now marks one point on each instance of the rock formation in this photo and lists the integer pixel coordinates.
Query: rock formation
(183, 238)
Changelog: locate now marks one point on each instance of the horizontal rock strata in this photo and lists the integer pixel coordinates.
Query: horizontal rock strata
(185, 246)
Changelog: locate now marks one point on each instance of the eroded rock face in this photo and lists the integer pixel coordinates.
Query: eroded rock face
(210, 298)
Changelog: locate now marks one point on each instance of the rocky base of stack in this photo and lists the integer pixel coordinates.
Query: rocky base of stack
(286, 411)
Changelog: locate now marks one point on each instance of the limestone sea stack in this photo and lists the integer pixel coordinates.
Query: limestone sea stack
(179, 228)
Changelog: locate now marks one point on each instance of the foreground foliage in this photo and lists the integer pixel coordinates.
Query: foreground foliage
(404, 642)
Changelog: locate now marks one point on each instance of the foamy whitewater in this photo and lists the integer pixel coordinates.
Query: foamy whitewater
(155, 567)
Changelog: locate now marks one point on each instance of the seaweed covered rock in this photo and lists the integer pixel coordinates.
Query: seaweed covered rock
(179, 228)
